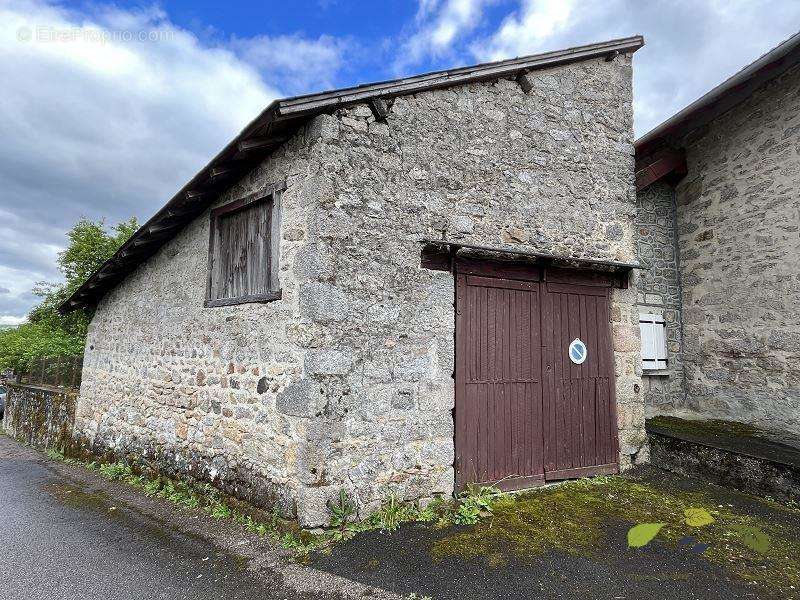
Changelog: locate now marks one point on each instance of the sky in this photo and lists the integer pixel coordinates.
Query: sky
(107, 109)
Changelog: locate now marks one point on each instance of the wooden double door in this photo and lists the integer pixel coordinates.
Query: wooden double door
(525, 411)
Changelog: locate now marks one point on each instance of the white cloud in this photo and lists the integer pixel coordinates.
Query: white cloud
(438, 28)
(524, 31)
(7, 320)
(294, 63)
(107, 114)
(691, 45)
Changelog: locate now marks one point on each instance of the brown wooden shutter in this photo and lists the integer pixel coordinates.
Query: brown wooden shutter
(240, 253)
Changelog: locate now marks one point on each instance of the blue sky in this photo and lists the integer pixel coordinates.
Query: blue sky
(108, 108)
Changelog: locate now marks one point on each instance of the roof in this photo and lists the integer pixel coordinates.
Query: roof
(276, 124)
(722, 98)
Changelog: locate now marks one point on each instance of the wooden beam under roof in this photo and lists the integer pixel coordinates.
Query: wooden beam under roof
(222, 171)
(183, 210)
(164, 226)
(255, 146)
(261, 142)
(197, 193)
(658, 165)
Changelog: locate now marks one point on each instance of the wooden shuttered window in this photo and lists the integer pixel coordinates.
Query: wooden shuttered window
(242, 257)
(654, 342)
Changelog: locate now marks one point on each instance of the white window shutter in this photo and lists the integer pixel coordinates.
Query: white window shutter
(654, 341)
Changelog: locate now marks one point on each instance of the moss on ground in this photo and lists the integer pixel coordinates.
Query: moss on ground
(578, 517)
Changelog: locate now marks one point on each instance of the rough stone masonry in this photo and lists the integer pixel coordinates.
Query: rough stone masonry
(723, 248)
(739, 238)
(659, 292)
(346, 382)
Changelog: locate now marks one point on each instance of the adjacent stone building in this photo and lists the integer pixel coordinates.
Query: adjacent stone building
(719, 212)
(290, 324)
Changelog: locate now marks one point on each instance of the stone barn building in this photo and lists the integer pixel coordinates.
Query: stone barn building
(719, 227)
(410, 285)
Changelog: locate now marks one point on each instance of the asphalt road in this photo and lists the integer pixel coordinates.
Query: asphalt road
(62, 539)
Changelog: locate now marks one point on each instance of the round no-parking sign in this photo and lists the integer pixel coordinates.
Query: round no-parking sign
(577, 351)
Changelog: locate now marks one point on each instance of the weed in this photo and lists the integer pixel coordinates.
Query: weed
(178, 492)
(152, 487)
(342, 509)
(219, 510)
(261, 529)
(275, 518)
(292, 541)
(136, 481)
(427, 514)
(115, 471)
(392, 513)
(474, 504)
(54, 454)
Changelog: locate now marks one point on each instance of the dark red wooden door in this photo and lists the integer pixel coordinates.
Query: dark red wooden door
(498, 382)
(579, 408)
(525, 412)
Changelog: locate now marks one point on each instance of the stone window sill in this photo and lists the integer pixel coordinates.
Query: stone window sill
(656, 372)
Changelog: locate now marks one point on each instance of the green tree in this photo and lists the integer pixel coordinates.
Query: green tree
(47, 333)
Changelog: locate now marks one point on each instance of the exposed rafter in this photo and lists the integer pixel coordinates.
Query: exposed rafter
(666, 162)
(222, 171)
(262, 142)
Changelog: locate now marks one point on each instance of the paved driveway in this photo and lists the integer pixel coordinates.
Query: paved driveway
(571, 542)
(61, 540)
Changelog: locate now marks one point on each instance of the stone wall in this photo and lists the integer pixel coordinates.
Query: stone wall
(738, 470)
(42, 417)
(738, 220)
(659, 292)
(347, 381)
(202, 392)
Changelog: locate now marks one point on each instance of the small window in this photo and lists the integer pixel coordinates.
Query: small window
(654, 342)
(243, 251)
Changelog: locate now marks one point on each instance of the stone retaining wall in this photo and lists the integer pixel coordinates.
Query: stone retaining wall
(749, 474)
(42, 417)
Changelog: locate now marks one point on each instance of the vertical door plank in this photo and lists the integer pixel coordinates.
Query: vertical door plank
(499, 380)
(548, 389)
